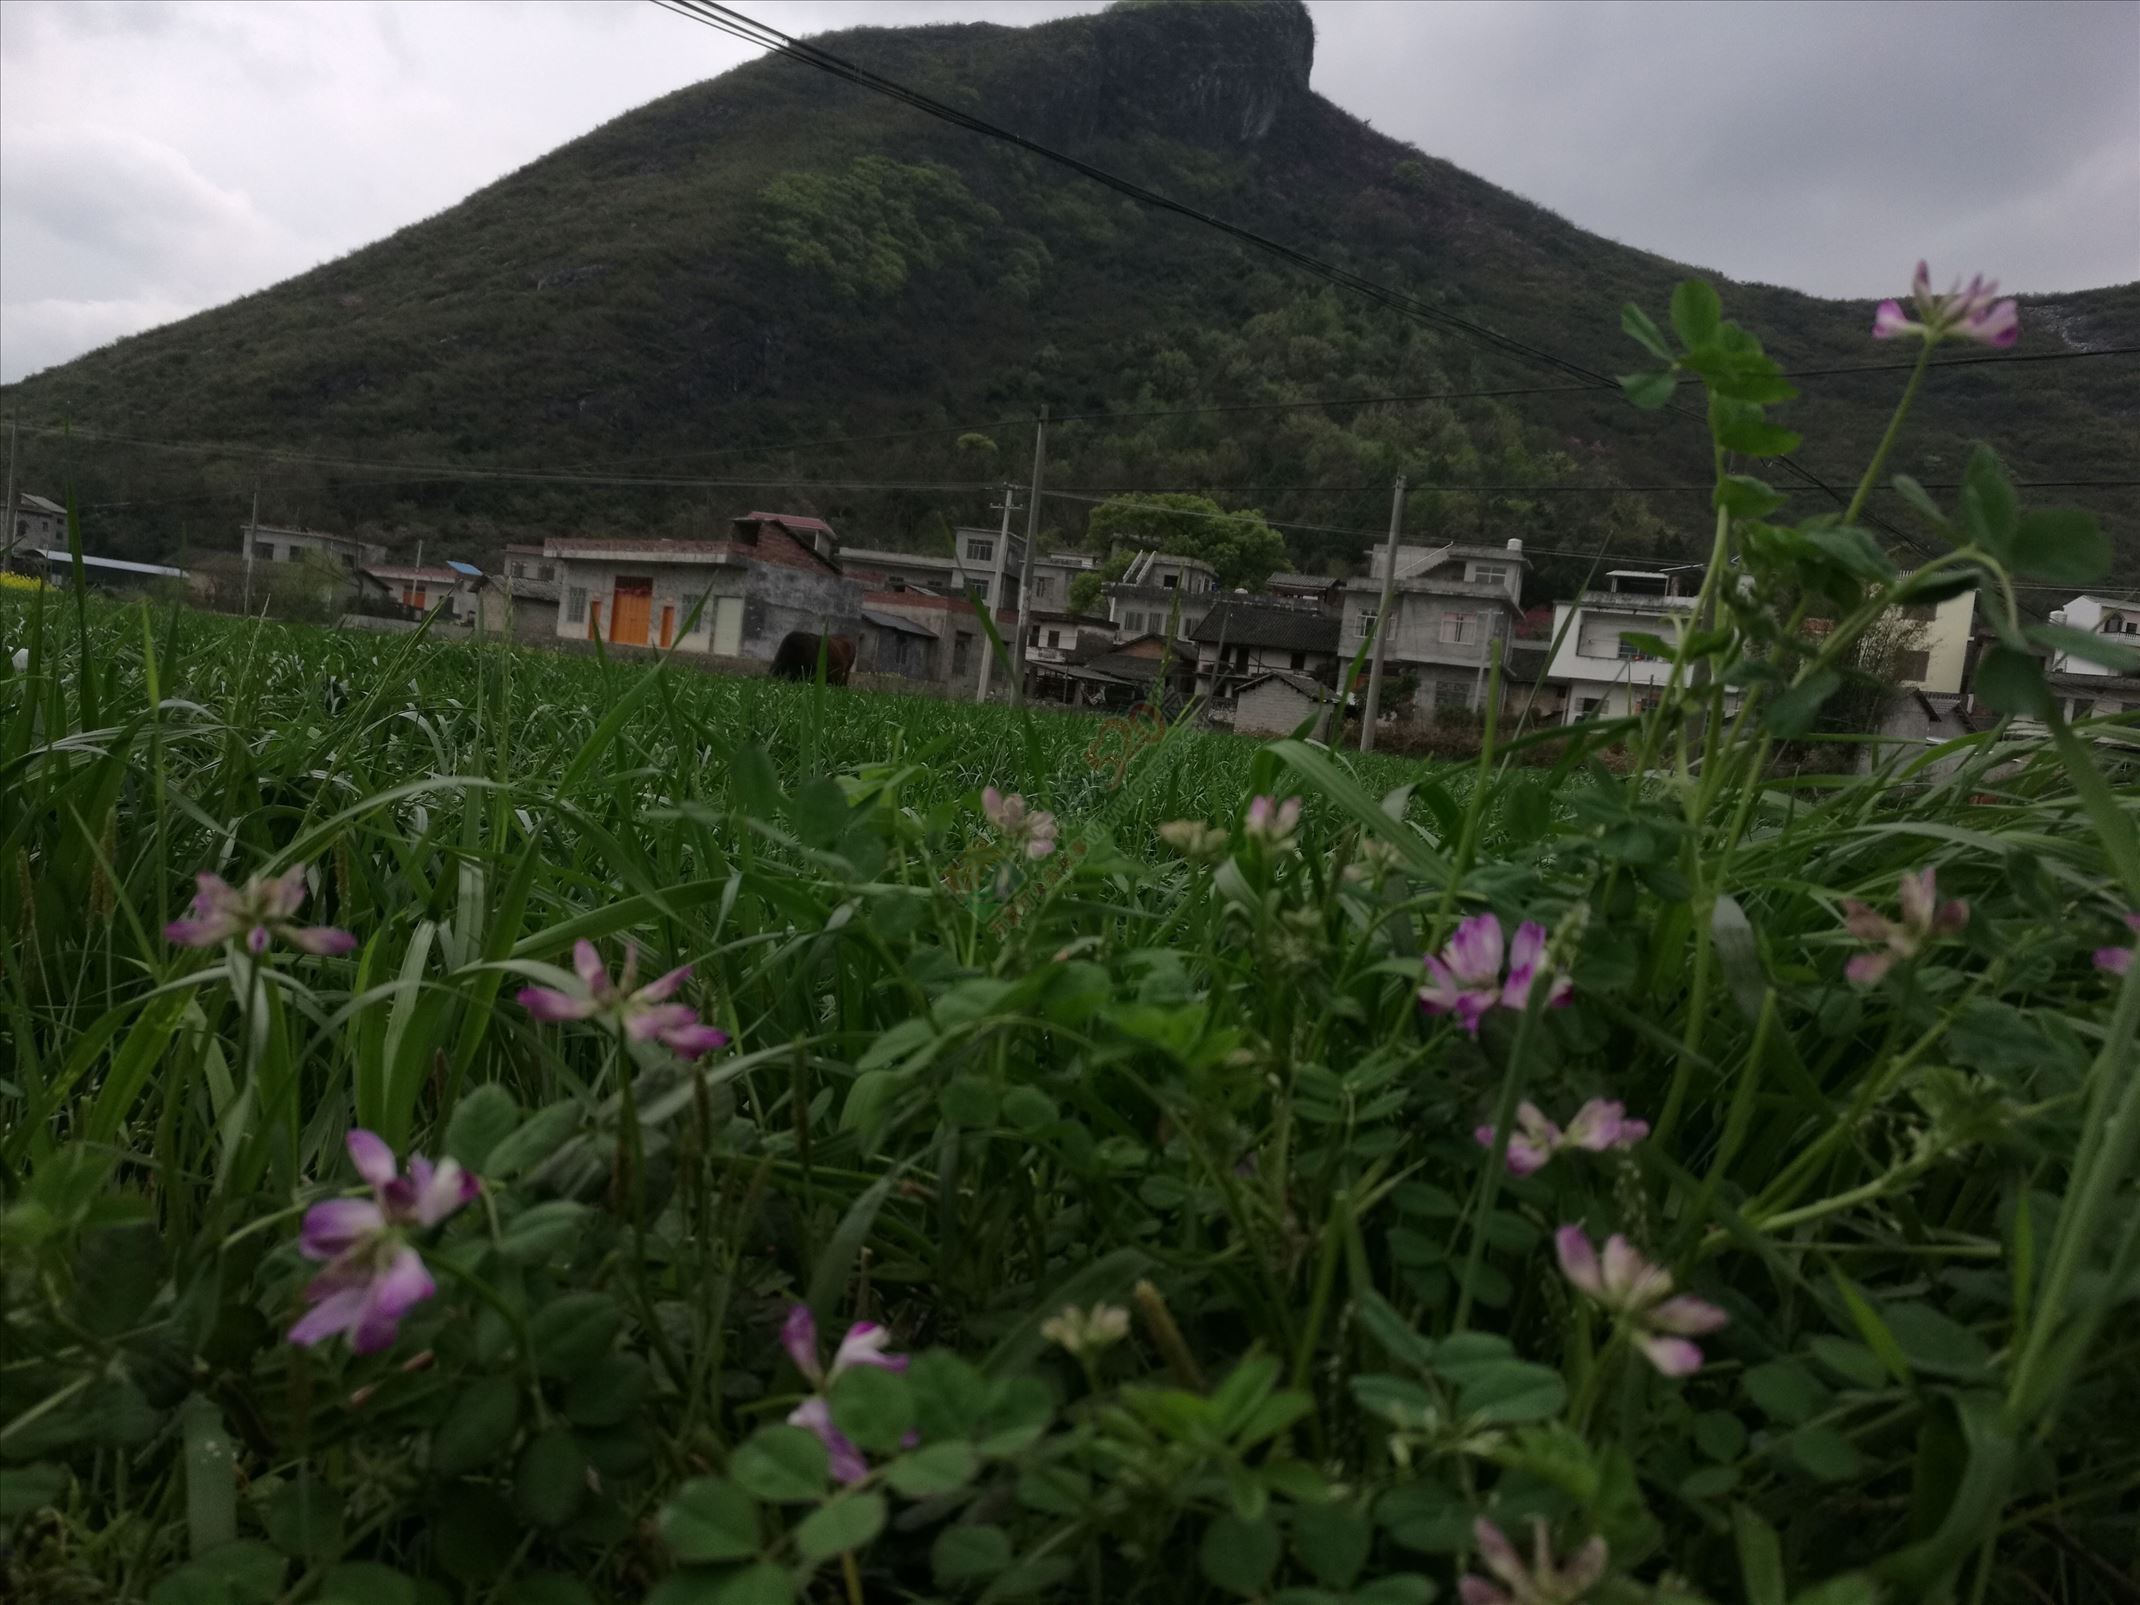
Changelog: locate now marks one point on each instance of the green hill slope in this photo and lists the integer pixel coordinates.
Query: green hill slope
(775, 256)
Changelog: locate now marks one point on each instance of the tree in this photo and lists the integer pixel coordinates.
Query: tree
(1239, 545)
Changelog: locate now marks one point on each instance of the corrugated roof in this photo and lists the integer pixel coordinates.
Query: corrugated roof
(40, 505)
(1241, 623)
(119, 564)
(1306, 685)
(892, 621)
(465, 570)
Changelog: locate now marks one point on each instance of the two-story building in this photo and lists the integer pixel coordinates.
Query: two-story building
(734, 596)
(983, 567)
(1450, 605)
(39, 523)
(271, 544)
(1607, 673)
(2089, 686)
(1243, 637)
(1053, 575)
(1153, 586)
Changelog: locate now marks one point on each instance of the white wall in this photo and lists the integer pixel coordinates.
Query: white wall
(675, 584)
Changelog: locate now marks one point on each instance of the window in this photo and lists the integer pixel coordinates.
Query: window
(1913, 665)
(1055, 638)
(1043, 587)
(1489, 573)
(1587, 707)
(576, 605)
(543, 571)
(977, 590)
(1171, 581)
(1367, 622)
(1627, 652)
(1134, 623)
(516, 570)
(1300, 660)
(1032, 636)
(980, 551)
(961, 651)
(1451, 694)
(1460, 629)
(1920, 612)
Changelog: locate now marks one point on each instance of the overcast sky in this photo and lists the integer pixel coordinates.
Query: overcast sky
(157, 158)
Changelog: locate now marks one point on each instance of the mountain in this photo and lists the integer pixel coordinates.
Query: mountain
(777, 256)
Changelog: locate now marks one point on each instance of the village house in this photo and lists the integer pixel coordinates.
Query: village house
(1607, 674)
(2086, 687)
(1311, 590)
(1277, 702)
(38, 522)
(520, 600)
(1151, 588)
(735, 596)
(419, 588)
(269, 544)
(1053, 575)
(1450, 605)
(1052, 636)
(958, 642)
(984, 566)
(1243, 636)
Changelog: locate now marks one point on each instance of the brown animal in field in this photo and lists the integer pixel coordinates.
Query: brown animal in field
(797, 657)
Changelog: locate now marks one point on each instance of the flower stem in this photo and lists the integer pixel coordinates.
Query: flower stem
(1497, 1158)
(1887, 441)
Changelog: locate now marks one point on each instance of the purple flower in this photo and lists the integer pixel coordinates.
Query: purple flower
(2117, 960)
(1270, 821)
(260, 913)
(643, 1012)
(864, 1344)
(373, 1276)
(1542, 1582)
(1639, 1295)
(1034, 829)
(1466, 980)
(1969, 313)
(1597, 1126)
(1925, 919)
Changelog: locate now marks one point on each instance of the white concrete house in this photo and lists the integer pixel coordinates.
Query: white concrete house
(1607, 675)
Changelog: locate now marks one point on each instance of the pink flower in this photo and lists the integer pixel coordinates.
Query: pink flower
(373, 1276)
(1033, 829)
(1542, 1582)
(1466, 980)
(864, 1344)
(644, 1013)
(2117, 960)
(1597, 1126)
(260, 913)
(1639, 1296)
(1270, 821)
(1924, 920)
(1971, 313)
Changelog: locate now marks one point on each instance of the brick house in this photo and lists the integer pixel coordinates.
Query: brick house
(737, 596)
(1242, 637)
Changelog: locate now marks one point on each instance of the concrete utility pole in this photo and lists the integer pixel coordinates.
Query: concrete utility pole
(1382, 624)
(995, 588)
(1032, 539)
(9, 550)
(252, 540)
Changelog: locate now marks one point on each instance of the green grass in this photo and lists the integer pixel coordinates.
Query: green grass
(1915, 1202)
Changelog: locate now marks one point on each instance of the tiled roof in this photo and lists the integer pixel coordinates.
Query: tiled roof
(1250, 624)
(1306, 685)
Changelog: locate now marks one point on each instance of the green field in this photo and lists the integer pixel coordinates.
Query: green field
(1143, 1148)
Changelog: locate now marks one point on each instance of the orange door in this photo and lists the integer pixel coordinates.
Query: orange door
(668, 623)
(594, 617)
(628, 613)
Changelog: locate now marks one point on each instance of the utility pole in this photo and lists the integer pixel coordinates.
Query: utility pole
(1032, 539)
(252, 540)
(9, 550)
(995, 587)
(1382, 623)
